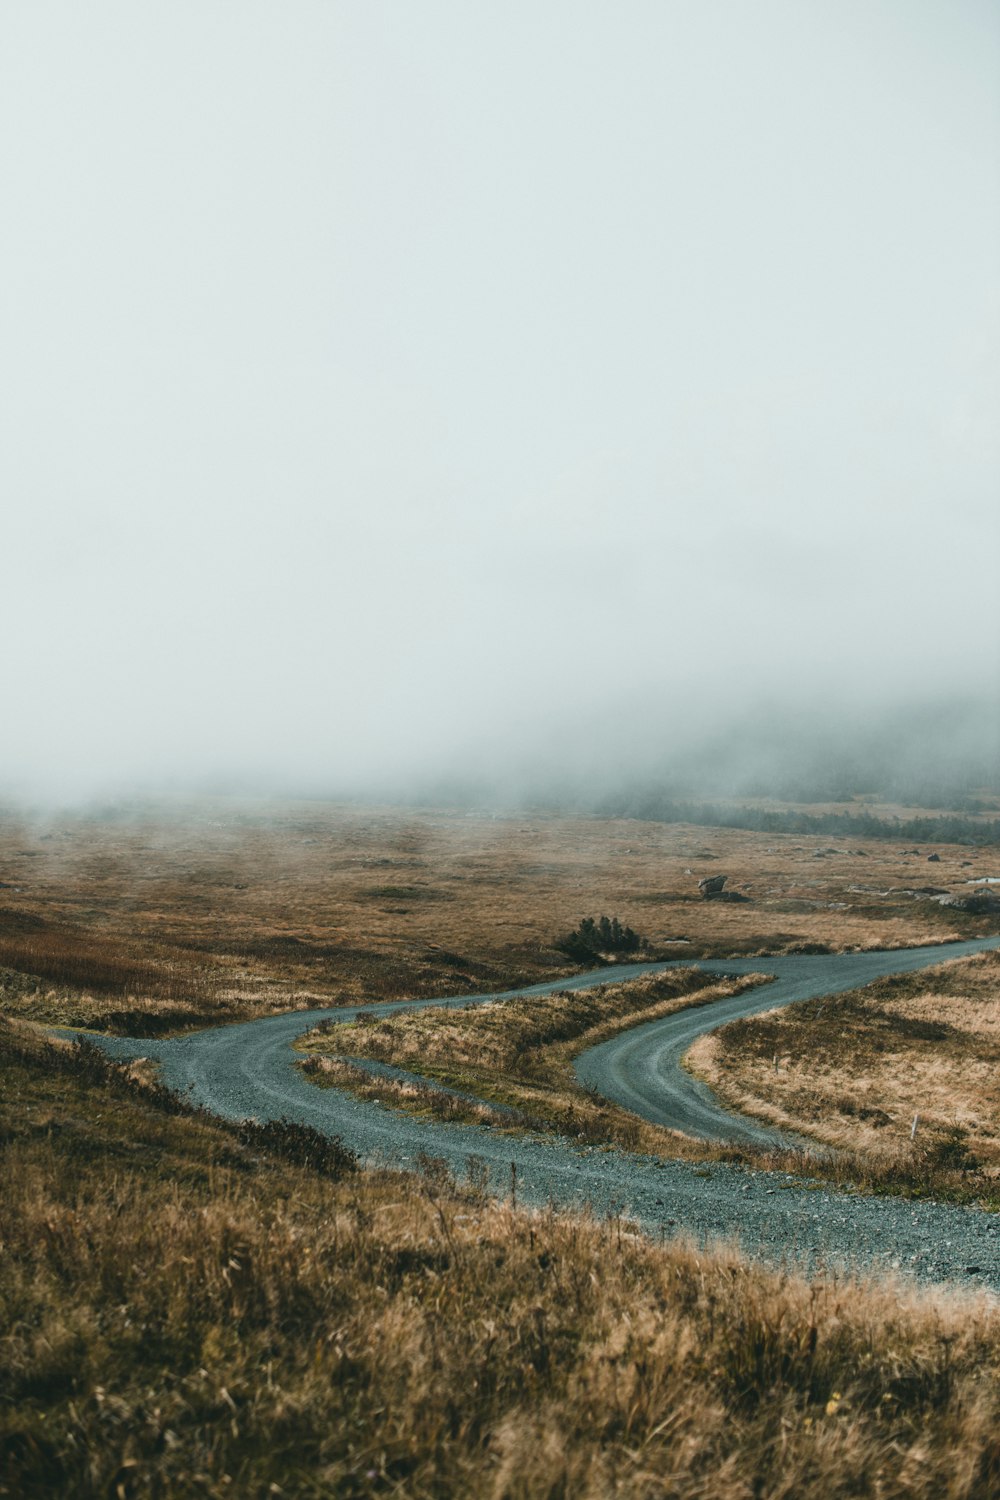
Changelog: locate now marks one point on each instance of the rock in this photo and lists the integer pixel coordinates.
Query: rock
(982, 904)
(712, 889)
(933, 859)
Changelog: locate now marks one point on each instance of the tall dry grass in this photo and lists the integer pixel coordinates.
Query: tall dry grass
(509, 1035)
(183, 1315)
(66, 976)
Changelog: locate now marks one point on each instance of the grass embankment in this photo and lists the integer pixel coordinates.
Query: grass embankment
(515, 1054)
(186, 1313)
(68, 976)
(853, 1070)
(161, 917)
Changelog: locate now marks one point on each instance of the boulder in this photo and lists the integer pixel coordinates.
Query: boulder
(980, 904)
(712, 889)
(933, 859)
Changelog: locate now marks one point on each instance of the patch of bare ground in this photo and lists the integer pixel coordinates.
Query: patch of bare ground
(513, 1057)
(195, 1310)
(856, 1071)
(158, 918)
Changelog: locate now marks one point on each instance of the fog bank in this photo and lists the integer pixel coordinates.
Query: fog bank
(398, 398)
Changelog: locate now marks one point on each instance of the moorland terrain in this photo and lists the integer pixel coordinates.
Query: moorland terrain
(199, 1309)
(147, 920)
(196, 1307)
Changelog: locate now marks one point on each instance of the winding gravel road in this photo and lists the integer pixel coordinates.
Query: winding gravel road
(250, 1070)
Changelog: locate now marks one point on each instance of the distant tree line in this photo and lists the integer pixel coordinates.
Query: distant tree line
(592, 940)
(945, 828)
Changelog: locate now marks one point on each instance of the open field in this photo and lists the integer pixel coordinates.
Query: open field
(854, 1070)
(155, 919)
(192, 1313)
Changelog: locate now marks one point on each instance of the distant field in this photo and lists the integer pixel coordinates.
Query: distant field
(977, 823)
(160, 919)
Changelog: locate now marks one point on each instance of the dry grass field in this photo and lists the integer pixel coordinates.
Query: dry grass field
(196, 1308)
(853, 1071)
(154, 919)
(189, 1311)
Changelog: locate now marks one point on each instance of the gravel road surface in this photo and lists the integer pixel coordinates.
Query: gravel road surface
(250, 1070)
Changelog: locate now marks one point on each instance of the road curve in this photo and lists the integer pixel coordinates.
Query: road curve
(250, 1070)
(642, 1068)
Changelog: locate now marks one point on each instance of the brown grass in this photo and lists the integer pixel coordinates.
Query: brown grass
(852, 1071)
(220, 910)
(185, 1315)
(507, 1036)
(416, 1097)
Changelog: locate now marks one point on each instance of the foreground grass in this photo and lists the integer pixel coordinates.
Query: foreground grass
(186, 1313)
(854, 1070)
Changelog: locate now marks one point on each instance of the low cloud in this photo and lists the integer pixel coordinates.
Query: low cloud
(498, 400)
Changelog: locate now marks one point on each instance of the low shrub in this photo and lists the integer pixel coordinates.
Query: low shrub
(593, 941)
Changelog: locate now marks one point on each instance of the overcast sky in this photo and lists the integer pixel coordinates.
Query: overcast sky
(384, 387)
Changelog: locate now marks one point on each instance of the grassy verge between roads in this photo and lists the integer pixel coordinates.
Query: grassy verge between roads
(513, 1054)
(194, 1309)
(517, 1058)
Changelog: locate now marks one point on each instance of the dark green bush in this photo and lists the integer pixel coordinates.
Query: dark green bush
(592, 941)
